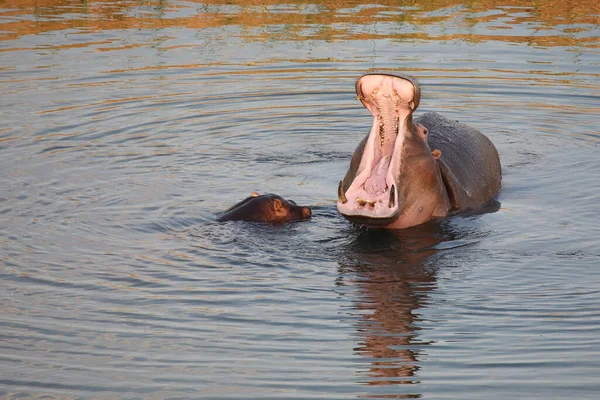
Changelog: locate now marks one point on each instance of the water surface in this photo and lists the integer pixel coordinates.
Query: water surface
(126, 126)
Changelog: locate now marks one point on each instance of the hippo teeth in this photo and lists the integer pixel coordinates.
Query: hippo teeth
(341, 195)
(392, 201)
(362, 202)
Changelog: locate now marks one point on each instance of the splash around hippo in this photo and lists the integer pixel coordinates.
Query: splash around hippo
(405, 172)
(267, 208)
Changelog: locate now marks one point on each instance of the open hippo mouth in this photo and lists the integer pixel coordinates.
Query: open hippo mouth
(369, 195)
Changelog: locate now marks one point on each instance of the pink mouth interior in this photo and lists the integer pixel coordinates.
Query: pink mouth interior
(375, 183)
(390, 100)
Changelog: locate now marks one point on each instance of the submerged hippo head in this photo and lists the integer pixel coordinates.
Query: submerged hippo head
(393, 180)
(269, 208)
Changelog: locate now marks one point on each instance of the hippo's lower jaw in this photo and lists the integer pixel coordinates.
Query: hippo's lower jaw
(365, 207)
(371, 221)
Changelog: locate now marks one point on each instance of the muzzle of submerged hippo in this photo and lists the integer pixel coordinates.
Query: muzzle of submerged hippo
(368, 194)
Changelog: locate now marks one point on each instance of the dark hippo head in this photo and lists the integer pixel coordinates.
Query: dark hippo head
(268, 208)
(393, 180)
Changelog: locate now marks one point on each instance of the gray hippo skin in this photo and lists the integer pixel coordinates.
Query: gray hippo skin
(407, 172)
(268, 208)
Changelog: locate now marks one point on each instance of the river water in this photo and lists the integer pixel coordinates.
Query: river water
(126, 126)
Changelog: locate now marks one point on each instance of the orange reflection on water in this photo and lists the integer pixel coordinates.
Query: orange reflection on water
(394, 281)
(545, 23)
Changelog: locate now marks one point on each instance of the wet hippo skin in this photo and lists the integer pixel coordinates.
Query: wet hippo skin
(268, 208)
(406, 172)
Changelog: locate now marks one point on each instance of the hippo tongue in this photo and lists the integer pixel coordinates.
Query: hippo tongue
(375, 184)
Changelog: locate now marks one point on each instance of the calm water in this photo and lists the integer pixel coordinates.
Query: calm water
(126, 126)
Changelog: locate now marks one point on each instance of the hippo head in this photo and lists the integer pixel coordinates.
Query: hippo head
(393, 180)
(268, 208)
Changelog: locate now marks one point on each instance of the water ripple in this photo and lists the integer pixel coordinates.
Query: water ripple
(127, 127)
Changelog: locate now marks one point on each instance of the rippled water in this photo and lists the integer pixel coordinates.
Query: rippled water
(126, 126)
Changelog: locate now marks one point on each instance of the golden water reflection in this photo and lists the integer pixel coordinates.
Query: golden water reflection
(539, 23)
(394, 274)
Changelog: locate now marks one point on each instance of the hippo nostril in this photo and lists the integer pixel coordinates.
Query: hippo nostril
(306, 212)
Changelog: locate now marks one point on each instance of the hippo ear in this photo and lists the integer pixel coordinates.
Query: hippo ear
(437, 153)
(277, 205)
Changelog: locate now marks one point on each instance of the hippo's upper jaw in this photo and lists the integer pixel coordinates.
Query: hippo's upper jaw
(369, 193)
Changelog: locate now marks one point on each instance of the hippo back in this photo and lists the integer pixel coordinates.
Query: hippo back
(469, 163)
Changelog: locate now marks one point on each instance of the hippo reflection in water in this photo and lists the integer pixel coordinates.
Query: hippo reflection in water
(404, 172)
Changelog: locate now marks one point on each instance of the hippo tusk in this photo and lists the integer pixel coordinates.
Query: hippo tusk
(392, 202)
(341, 196)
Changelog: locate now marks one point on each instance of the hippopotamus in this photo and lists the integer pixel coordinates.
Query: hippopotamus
(269, 208)
(406, 172)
